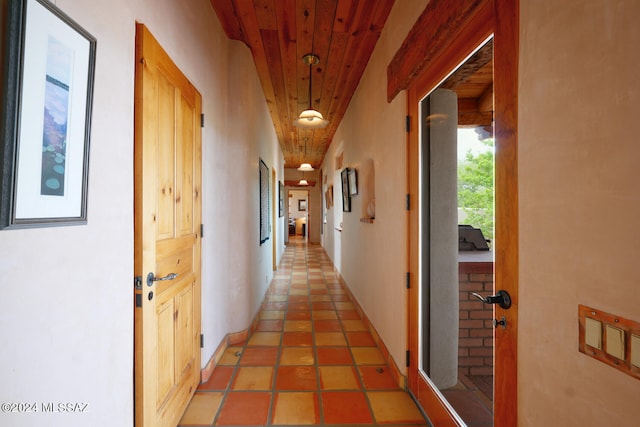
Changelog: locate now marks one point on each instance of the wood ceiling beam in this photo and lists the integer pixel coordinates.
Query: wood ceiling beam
(228, 18)
(437, 27)
(485, 101)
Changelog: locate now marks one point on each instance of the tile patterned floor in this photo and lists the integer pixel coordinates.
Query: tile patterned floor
(311, 360)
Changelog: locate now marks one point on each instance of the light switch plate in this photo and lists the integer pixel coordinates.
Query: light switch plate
(610, 339)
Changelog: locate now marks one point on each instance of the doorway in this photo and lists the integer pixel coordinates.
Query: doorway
(456, 207)
(299, 214)
(167, 242)
(497, 18)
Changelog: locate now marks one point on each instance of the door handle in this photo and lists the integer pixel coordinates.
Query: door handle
(152, 278)
(502, 298)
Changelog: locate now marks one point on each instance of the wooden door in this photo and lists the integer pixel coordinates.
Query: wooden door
(167, 244)
(500, 18)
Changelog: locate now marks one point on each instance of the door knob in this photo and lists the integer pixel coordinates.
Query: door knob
(152, 278)
(502, 298)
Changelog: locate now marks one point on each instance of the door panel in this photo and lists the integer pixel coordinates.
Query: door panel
(499, 17)
(167, 218)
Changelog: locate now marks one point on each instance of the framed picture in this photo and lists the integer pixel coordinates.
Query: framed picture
(346, 198)
(47, 91)
(281, 199)
(264, 202)
(302, 205)
(353, 183)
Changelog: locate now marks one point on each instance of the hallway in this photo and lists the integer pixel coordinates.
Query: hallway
(310, 361)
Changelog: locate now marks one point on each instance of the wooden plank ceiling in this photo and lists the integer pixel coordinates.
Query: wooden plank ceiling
(343, 33)
(279, 33)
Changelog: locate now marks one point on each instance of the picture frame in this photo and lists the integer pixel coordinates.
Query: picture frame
(265, 226)
(353, 182)
(346, 198)
(302, 205)
(47, 95)
(281, 199)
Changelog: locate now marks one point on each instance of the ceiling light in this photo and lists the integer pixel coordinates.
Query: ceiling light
(310, 118)
(303, 182)
(305, 167)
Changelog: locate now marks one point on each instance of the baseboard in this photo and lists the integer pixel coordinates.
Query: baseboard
(230, 340)
(235, 338)
(399, 378)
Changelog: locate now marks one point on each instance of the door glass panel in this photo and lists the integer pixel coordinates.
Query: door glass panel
(456, 238)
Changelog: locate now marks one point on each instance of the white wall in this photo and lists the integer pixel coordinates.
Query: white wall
(66, 311)
(373, 256)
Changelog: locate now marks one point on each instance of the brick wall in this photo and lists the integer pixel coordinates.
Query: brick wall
(475, 356)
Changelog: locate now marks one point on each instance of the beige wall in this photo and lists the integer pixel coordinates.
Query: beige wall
(66, 314)
(578, 173)
(579, 204)
(372, 257)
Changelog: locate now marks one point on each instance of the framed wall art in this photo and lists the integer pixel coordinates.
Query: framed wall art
(346, 198)
(264, 202)
(47, 91)
(281, 199)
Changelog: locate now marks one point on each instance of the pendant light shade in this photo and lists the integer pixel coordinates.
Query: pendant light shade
(310, 118)
(303, 182)
(305, 167)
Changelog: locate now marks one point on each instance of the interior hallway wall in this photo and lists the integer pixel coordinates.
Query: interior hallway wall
(374, 256)
(66, 311)
(579, 203)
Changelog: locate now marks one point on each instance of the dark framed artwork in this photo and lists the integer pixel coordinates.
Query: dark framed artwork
(47, 93)
(302, 205)
(264, 202)
(353, 182)
(346, 198)
(281, 199)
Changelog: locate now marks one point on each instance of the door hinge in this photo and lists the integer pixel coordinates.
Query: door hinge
(408, 124)
(408, 202)
(201, 231)
(201, 341)
(408, 280)
(202, 120)
(408, 358)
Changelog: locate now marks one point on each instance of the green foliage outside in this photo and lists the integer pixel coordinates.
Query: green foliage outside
(475, 189)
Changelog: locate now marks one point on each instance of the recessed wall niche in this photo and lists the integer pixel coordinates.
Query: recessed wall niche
(367, 190)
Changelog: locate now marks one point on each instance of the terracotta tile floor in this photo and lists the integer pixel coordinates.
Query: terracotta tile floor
(311, 360)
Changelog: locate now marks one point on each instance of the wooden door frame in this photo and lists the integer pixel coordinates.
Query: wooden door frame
(452, 44)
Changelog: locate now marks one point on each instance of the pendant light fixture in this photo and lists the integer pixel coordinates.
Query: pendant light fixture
(303, 181)
(310, 118)
(305, 167)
